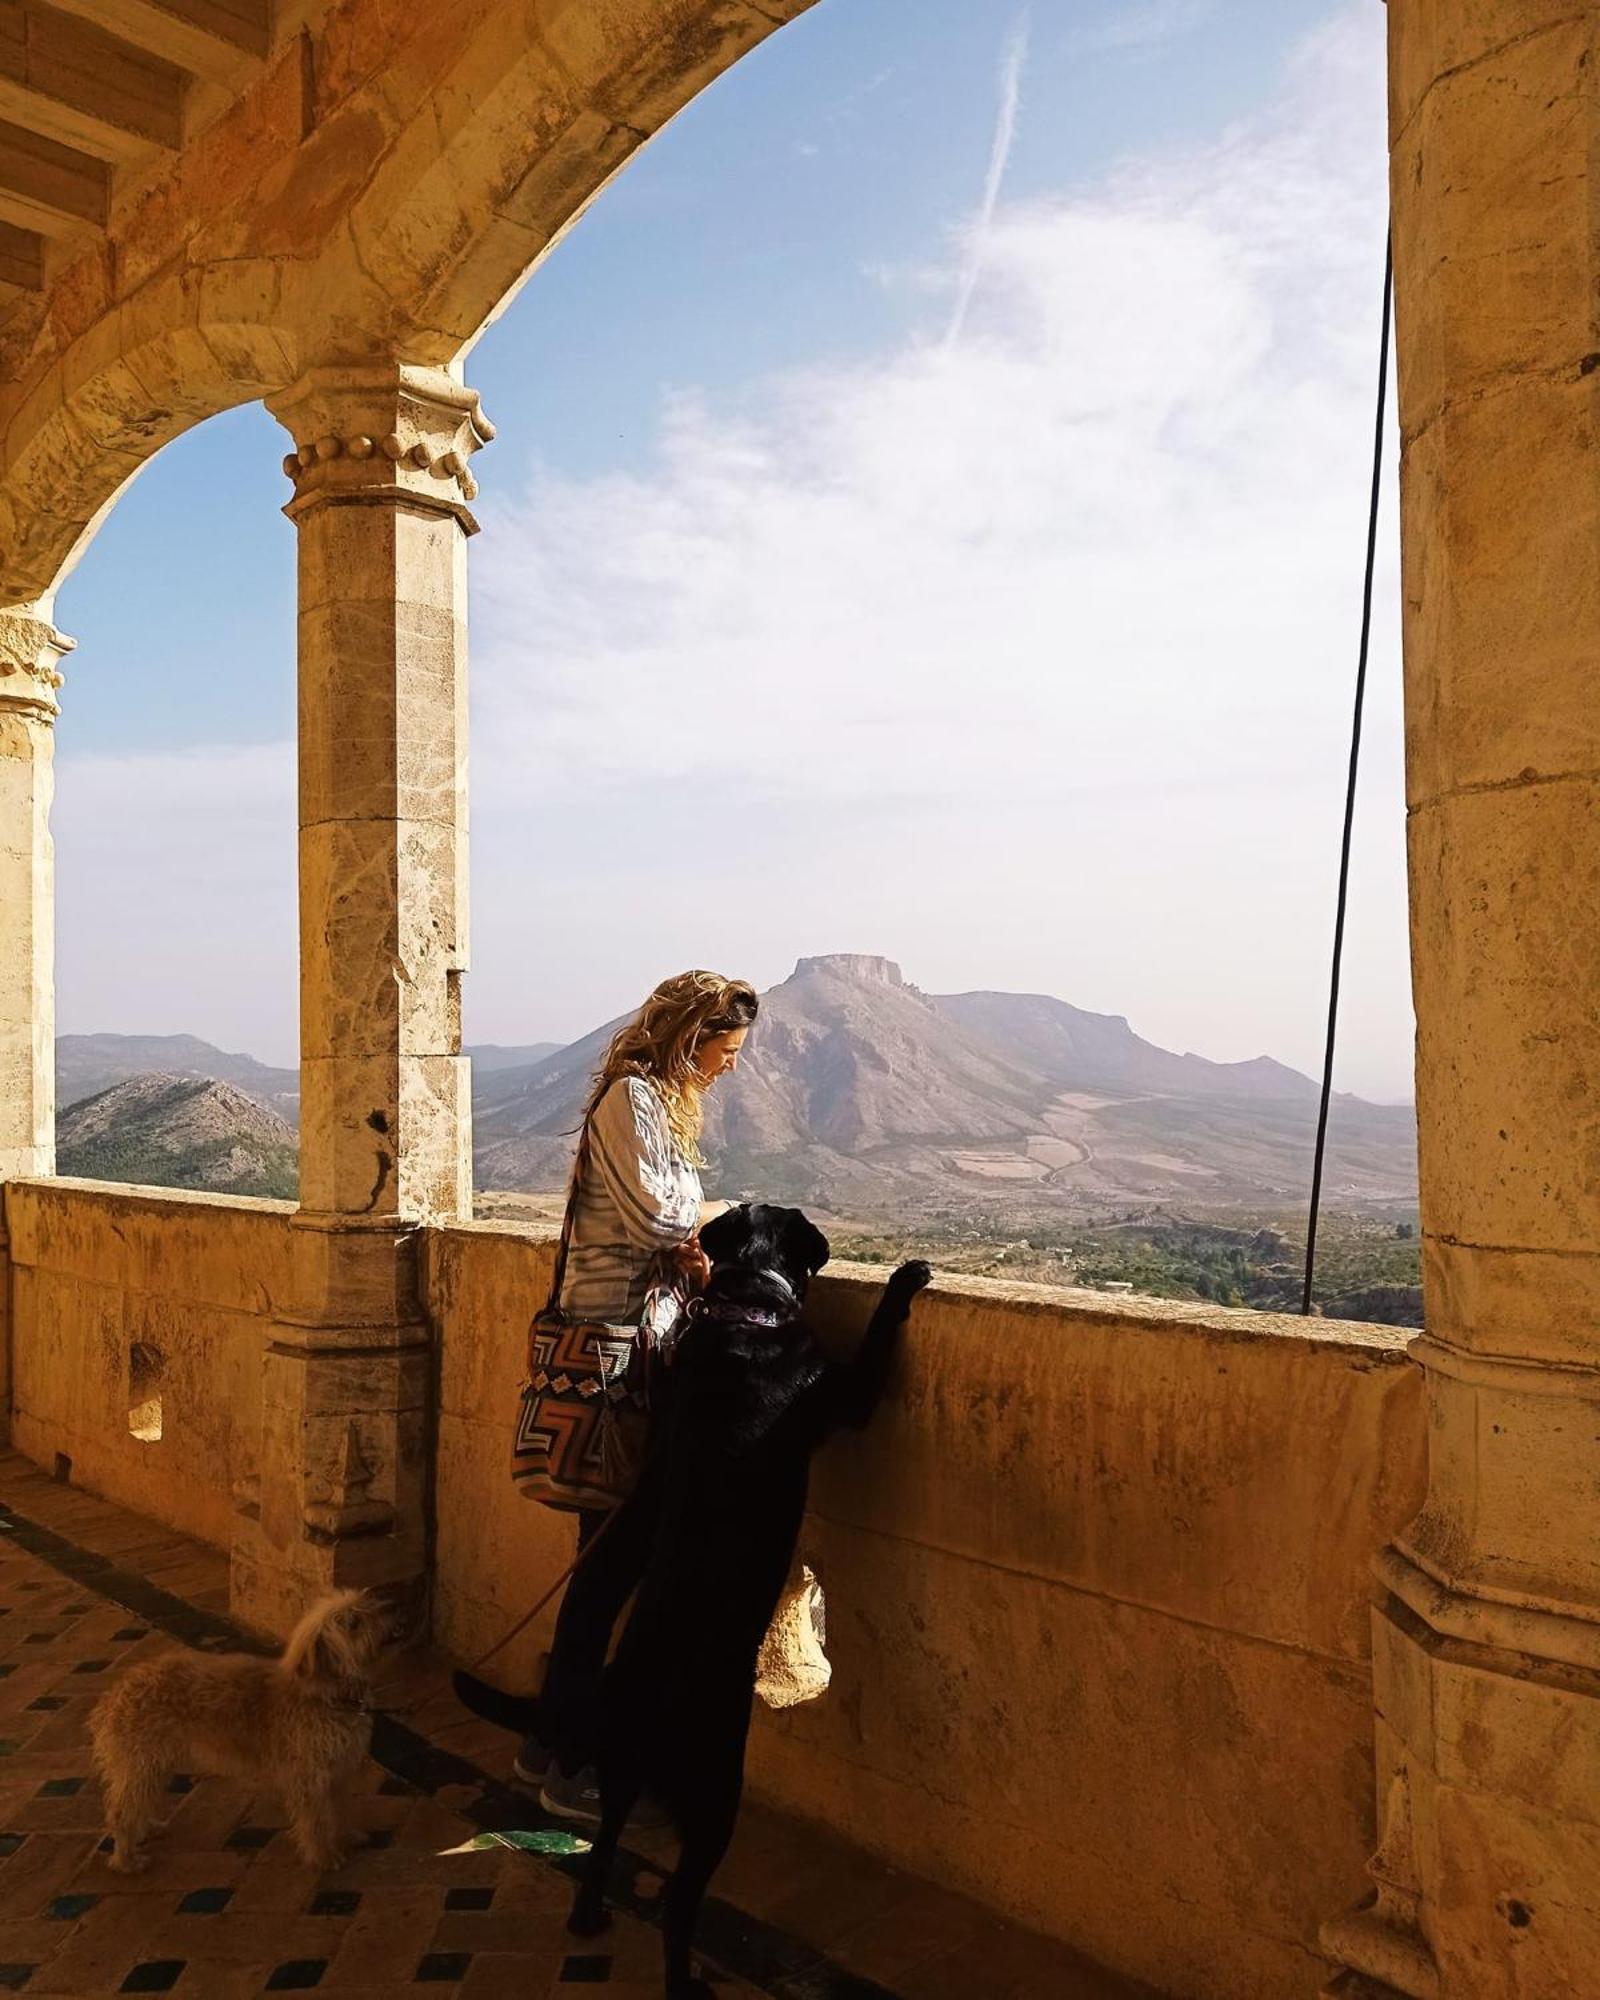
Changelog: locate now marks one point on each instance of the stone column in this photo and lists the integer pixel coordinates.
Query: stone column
(30, 650)
(381, 489)
(1487, 1628)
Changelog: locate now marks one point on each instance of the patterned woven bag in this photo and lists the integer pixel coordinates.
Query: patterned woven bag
(585, 1406)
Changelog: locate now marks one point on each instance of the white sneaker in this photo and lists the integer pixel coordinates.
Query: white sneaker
(526, 1773)
(578, 1799)
(571, 1798)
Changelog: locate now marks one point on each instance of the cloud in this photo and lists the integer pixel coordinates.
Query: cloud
(1013, 55)
(1026, 659)
(1042, 639)
(1142, 25)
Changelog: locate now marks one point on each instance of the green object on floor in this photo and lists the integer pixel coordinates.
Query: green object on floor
(541, 1840)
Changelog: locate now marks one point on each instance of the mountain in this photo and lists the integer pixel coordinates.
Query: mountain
(490, 1058)
(859, 1096)
(88, 1064)
(1071, 1047)
(862, 1096)
(179, 1131)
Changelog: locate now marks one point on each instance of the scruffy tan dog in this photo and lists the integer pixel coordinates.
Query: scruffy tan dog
(300, 1725)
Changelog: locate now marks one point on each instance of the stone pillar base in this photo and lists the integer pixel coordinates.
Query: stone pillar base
(338, 1495)
(1369, 1945)
(1489, 1787)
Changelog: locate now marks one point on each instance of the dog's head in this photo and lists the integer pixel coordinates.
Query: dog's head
(761, 1255)
(339, 1638)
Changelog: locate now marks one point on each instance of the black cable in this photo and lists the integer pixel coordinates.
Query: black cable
(1350, 789)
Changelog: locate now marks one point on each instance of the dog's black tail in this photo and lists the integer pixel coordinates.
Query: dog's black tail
(516, 1712)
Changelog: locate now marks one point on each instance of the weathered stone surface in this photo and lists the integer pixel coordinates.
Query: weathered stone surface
(384, 1137)
(1510, 1146)
(30, 651)
(1487, 1657)
(1524, 1301)
(1511, 1469)
(1430, 41)
(1497, 266)
(196, 1278)
(381, 481)
(1501, 597)
(495, 1554)
(1513, 1910)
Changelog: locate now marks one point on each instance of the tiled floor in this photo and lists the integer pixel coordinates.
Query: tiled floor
(228, 1909)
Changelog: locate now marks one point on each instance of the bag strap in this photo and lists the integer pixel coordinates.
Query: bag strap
(580, 1161)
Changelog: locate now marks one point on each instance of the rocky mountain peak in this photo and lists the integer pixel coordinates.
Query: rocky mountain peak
(862, 965)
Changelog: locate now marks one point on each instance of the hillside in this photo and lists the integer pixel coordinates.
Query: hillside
(1075, 1048)
(87, 1064)
(179, 1131)
(490, 1058)
(862, 1096)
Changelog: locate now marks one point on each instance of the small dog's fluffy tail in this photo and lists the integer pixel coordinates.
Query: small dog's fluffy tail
(320, 1647)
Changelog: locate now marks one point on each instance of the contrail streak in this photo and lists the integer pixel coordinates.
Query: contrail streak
(1012, 57)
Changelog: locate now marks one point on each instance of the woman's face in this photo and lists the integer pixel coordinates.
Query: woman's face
(719, 1054)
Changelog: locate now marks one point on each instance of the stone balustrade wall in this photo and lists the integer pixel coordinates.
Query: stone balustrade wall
(1097, 1578)
(120, 1296)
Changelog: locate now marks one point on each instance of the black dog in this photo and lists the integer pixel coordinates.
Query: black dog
(752, 1398)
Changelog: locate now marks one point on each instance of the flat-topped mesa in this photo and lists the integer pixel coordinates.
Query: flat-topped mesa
(863, 965)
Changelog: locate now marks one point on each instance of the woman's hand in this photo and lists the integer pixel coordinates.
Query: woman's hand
(694, 1266)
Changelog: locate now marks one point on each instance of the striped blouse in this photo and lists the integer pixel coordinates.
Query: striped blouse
(638, 1197)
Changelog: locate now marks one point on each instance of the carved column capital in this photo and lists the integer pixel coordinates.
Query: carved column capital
(30, 649)
(386, 432)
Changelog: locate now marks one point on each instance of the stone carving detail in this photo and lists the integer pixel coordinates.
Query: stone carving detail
(1393, 1867)
(246, 1491)
(1383, 1941)
(448, 465)
(29, 650)
(399, 430)
(349, 1508)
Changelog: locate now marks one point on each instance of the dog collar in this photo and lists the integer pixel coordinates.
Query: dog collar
(730, 1310)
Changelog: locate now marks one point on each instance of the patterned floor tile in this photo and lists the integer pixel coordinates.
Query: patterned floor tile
(226, 1910)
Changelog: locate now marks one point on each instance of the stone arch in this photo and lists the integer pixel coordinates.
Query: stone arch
(185, 348)
(474, 193)
(379, 194)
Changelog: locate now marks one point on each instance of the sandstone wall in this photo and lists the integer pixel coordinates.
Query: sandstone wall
(1097, 1603)
(119, 1295)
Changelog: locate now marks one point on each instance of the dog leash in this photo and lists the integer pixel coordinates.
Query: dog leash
(375, 1699)
(563, 1579)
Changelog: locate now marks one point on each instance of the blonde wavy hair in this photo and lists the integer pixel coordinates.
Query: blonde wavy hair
(662, 1041)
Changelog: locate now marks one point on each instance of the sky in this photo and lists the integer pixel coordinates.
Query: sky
(926, 517)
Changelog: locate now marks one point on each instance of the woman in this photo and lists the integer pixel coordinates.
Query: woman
(638, 1210)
